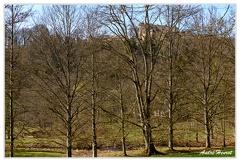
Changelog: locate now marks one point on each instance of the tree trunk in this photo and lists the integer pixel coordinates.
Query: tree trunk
(171, 100)
(122, 122)
(149, 146)
(69, 133)
(223, 132)
(212, 133)
(207, 130)
(69, 144)
(69, 148)
(208, 143)
(11, 130)
(170, 140)
(124, 144)
(11, 123)
(94, 140)
(170, 127)
(197, 137)
(94, 136)
(123, 127)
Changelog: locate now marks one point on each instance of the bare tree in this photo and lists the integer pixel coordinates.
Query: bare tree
(140, 55)
(209, 67)
(94, 106)
(119, 97)
(15, 15)
(175, 17)
(59, 59)
(123, 116)
(122, 105)
(93, 30)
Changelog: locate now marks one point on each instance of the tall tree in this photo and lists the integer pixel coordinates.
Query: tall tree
(59, 60)
(15, 15)
(122, 105)
(175, 17)
(140, 55)
(209, 67)
(94, 31)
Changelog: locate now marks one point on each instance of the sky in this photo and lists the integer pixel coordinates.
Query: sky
(221, 8)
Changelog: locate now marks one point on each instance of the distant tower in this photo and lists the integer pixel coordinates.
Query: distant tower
(156, 31)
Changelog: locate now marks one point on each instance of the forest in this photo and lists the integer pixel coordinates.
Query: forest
(119, 80)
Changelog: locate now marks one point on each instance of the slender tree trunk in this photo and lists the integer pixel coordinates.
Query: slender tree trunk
(123, 123)
(123, 140)
(94, 136)
(170, 125)
(69, 147)
(207, 130)
(11, 122)
(223, 132)
(197, 137)
(69, 134)
(223, 126)
(170, 106)
(170, 134)
(212, 133)
(208, 143)
(124, 144)
(11, 126)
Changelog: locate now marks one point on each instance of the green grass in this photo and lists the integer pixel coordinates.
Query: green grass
(134, 135)
(35, 153)
(205, 153)
(26, 142)
(109, 135)
(181, 152)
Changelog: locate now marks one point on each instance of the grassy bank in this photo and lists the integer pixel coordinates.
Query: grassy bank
(34, 143)
(36, 153)
(179, 152)
(230, 152)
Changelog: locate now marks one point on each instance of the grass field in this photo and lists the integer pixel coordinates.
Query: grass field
(179, 152)
(35, 153)
(230, 152)
(32, 146)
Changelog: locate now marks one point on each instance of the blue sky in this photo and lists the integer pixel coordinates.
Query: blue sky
(220, 7)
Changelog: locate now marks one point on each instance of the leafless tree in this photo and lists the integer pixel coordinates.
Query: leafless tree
(15, 16)
(209, 67)
(93, 32)
(140, 55)
(175, 17)
(59, 59)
